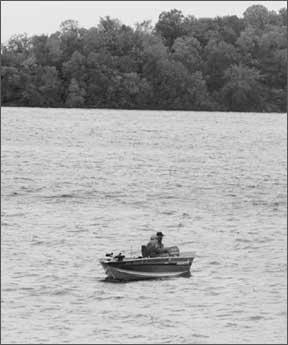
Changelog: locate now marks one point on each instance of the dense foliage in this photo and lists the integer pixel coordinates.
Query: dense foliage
(224, 63)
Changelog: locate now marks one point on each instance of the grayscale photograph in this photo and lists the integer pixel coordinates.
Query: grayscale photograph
(143, 172)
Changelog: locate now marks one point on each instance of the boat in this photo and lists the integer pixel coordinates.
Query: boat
(119, 267)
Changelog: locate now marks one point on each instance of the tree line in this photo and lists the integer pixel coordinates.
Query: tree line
(182, 63)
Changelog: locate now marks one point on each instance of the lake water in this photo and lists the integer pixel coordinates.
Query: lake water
(77, 184)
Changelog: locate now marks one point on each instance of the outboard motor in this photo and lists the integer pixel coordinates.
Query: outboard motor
(173, 251)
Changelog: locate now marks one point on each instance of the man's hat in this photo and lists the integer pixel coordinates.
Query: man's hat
(159, 234)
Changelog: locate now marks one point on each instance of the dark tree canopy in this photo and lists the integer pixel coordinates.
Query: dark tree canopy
(224, 63)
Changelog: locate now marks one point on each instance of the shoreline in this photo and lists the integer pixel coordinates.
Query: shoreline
(148, 110)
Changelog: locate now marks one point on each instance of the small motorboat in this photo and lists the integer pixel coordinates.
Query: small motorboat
(119, 267)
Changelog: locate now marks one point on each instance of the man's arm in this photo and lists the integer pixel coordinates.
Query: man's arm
(160, 250)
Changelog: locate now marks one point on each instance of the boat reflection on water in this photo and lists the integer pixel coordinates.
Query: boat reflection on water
(120, 268)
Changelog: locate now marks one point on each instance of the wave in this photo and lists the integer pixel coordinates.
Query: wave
(36, 243)
(57, 196)
(61, 292)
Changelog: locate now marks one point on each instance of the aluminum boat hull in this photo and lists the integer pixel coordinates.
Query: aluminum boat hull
(147, 268)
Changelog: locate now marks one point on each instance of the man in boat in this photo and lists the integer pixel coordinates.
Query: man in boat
(155, 246)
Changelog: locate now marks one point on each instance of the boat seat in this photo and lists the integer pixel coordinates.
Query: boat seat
(144, 251)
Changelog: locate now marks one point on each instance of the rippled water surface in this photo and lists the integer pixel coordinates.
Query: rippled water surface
(79, 183)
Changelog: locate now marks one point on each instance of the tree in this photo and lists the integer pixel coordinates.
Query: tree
(108, 24)
(256, 16)
(197, 94)
(129, 91)
(283, 16)
(100, 75)
(219, 56)
(144, 27)
(19, 44)
(75, 96)
(50, 86)
(17, 50)
(153, 52)
(40, 49)
(69, 27)
(11, 85)
(204, 30)
(91, 41)
(75, 68)
(187, 50)
(170, 26)
(273, 56)
(229, 28)
(31, 95)
(242, 90)
(70, 38)
(222, 63)
(41, 86)
(54, 51)
(175, 88)
(248, 45)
